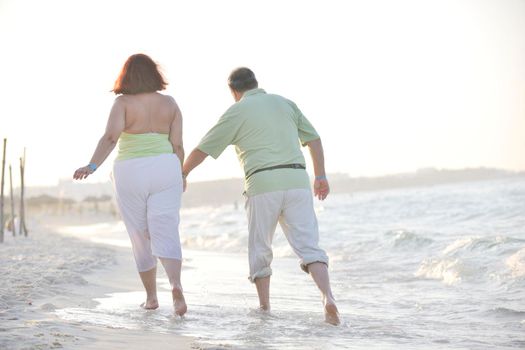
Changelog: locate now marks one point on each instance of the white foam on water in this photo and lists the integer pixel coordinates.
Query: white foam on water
(516, 263)
(447, 270)
(458, 244)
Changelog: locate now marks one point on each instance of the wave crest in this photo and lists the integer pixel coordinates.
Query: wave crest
(516, 263)
(477, 243)
(409, 239)
(447, 270)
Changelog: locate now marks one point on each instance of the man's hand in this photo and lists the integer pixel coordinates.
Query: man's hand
(321, 188)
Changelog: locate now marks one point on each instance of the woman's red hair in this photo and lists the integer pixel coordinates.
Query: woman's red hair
(139, 74)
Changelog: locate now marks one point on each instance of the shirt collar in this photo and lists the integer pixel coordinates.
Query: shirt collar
(253, 92)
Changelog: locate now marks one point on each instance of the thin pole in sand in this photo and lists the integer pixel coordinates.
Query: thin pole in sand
(12, 201)
(22, 206)
(2, 196)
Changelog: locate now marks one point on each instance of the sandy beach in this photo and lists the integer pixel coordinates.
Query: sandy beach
(47, 272)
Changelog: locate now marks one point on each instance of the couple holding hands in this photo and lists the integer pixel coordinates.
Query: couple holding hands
(149, 176)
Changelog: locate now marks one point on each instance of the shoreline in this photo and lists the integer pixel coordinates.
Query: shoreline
(41, 278)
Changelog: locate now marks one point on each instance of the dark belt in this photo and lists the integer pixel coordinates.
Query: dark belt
(290, 166)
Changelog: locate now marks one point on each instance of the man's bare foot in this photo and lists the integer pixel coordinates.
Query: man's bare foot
(150, 304)
(179, 303)
(264, 307)
(331, 314)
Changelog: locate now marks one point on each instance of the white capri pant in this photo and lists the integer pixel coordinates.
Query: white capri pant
(148, 192)
(294, 211)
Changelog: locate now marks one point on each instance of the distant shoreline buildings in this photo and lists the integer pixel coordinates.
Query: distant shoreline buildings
(229, 191)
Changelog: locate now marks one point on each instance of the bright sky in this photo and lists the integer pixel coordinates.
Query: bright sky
(391, 86)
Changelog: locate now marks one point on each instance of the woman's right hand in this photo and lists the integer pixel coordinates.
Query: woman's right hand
(82, 173)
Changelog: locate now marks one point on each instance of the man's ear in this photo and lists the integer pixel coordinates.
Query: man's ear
(236, 95)
(233, 94)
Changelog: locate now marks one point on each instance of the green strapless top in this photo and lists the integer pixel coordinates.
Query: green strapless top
(143, 145)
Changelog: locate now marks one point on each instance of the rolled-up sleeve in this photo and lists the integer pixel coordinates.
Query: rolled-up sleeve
(306, 130)
(221, 135)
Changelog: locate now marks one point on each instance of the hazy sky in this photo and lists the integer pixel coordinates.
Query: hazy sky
(391, 86)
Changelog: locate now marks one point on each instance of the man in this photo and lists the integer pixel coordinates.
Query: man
(266, 130)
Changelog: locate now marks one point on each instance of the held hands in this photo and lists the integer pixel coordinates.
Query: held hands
(82, 173)
(321, 188)
(184, 182)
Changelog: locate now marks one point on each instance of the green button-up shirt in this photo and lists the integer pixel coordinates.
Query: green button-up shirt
(265, 130)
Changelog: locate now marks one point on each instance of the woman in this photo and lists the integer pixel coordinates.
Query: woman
(147, 172)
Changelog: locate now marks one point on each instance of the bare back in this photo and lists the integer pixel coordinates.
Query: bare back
(149, 112)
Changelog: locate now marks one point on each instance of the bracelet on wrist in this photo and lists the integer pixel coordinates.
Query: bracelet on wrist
(92, 166)
(321, 177)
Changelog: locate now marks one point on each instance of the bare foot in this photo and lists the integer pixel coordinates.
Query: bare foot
(331, 314)
(178, 301)
(150, 304)
(264, 308)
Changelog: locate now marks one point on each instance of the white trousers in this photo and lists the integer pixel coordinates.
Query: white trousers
(148, 192)
(294, 211)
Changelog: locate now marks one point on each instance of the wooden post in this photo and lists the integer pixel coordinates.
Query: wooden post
(12, 201)
(21, 210)
(22, 221)
(2, 196)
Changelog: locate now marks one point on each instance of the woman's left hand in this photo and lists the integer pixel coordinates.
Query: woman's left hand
(82, 173)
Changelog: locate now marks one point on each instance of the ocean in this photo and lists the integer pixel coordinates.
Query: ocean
(440, 267)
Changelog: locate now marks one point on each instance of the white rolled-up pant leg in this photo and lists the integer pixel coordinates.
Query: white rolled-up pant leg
(299, 224)
(163, 214)
(263, 214)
